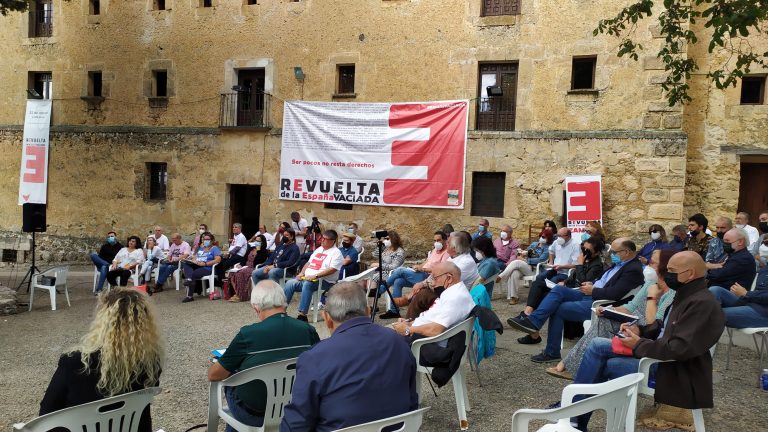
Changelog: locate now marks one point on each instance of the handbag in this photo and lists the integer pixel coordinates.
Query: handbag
(619, 348)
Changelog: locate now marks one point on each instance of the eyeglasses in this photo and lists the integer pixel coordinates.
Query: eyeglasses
(434, 278)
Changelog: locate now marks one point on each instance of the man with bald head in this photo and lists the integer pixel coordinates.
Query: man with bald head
(739, 265)
(452, 305)
(568, 304)
(691, 325)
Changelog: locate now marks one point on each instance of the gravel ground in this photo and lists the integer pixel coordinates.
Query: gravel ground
(32, 342)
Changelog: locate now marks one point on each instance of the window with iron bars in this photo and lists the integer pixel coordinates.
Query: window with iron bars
(158, 181)
(501, 7)
(41, 19)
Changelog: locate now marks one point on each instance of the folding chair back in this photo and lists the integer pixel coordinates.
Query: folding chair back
(408, 422)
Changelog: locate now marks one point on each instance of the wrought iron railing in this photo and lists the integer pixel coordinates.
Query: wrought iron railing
(496, 113)
(244, 110)
(41, 22)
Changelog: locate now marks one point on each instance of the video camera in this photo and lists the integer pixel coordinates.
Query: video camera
(380, 234)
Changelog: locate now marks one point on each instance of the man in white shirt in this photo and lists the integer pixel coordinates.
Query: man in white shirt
(358, 243)
(323, 267)
(742, 221)
(267, 235)
(300, 225)
(160, 238)
(563, 256)
(452, 306)
(458, 249)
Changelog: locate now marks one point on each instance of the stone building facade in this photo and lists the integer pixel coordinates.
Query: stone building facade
(142, 85)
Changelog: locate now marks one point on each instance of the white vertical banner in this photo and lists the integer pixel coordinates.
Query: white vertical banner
(33, 178)
(583, 201)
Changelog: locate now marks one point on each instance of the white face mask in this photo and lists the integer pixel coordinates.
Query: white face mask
(542, 240)
(650, 275)
(655, 236)
(764, 251)
(503, 235)
(560, 241)
(387, 243)
(740, 226)
(438, 246)
(479, 255)
(202, 231)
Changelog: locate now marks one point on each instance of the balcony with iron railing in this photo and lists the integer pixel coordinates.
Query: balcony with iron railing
(41, 22)
(245, 110)
(496, 113)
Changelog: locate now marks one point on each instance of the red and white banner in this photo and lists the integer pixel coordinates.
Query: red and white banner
(392, 154)
(33, 179)
(583, 201)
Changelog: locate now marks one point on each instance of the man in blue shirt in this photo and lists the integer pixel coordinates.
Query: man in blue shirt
(482, 230)
(285, 256)
(363, 372)
(570, 304)
(351, 264)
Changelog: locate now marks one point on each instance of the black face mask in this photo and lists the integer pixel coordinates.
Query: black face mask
(286, 239)
(764, 227)
(727, 248)
(671, 280)
(720, 235)
(346, 245)
(586, 253)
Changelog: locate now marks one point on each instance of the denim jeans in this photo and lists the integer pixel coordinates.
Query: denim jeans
(560, 305)
(307, 288)
(165, 272)
(400, 278)
(737, 315)
(238, 412)
(103, 267)
(258, 275)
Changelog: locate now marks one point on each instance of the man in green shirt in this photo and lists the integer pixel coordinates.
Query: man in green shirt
(275, 337)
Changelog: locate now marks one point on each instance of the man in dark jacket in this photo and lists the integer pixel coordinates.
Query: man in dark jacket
(104, 258)
(691, 325)
(285, 256)
(739, 266)
(568, 304)
(743, 308)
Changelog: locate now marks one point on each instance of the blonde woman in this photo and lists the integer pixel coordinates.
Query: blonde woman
(122, 352)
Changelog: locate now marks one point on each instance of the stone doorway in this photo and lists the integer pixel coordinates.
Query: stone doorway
(753, 186)
(244, 207)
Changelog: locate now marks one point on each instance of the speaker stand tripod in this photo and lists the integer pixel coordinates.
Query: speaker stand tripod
(32, 269)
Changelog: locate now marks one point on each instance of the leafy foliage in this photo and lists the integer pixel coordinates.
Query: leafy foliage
(730, 21)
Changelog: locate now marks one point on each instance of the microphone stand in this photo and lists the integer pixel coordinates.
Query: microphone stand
(382, 283)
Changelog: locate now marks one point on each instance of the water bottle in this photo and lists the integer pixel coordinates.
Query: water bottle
(764, 380)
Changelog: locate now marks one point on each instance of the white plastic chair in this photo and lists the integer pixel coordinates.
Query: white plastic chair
(458, 379)
(177, 276)
(60, 273)
(410, 422)
(588, 323)
(134, 276)
(96, 275)
(209, 282)
(617, 397)
(645, 369)
(115, 414)
(278, 377)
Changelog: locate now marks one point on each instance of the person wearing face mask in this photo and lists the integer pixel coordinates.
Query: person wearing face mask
(513, 273)
(658, 242)
(285, 257)
(207, 255)
(563, 255)
(679, 237)
(402, 277)
(358, 243)
(487, 265)
(104, 258)
(351, 264)
(567, 304)
(691, 325)
(762, 226)
(739, 266)
(753, 235)
(392, 257)
(267, 235)
(482, 230)
(178, 252)
(715, 253)
(240, 277)
(201, 229)
(506, 246)
(648, 304)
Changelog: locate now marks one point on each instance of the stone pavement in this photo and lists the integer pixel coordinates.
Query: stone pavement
(32, 342)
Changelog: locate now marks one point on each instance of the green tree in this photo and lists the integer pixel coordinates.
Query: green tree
(729, 21)
(12, 6)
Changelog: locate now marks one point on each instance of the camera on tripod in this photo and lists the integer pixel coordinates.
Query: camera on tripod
(315, 227)
(380, 234)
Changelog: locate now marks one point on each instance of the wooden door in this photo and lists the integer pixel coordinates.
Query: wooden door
(753, 189)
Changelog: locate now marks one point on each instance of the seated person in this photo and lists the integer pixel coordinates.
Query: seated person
(537, 252)
(695, 324)
(506, 246)
(275, 337)
(105, 256)
(698, 239)
(351, 264)
(744, 308)
(392, 257)
(363, 372)
(152, 256)
(402, 277)
(162, 240)
(235, 254)
(715, 252)
(482, 230)
(125, 262)
(679, 236)
(321, 269)
(240, 278)
(207, 256)
(487, 265)
(285, 256)
(563, 255)
(567, 304)
(121, 353)
(739, 267)
(178, 252)
(658, 241)
(358, 243)
(450, 305)
(267, 235)
(649, 304)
